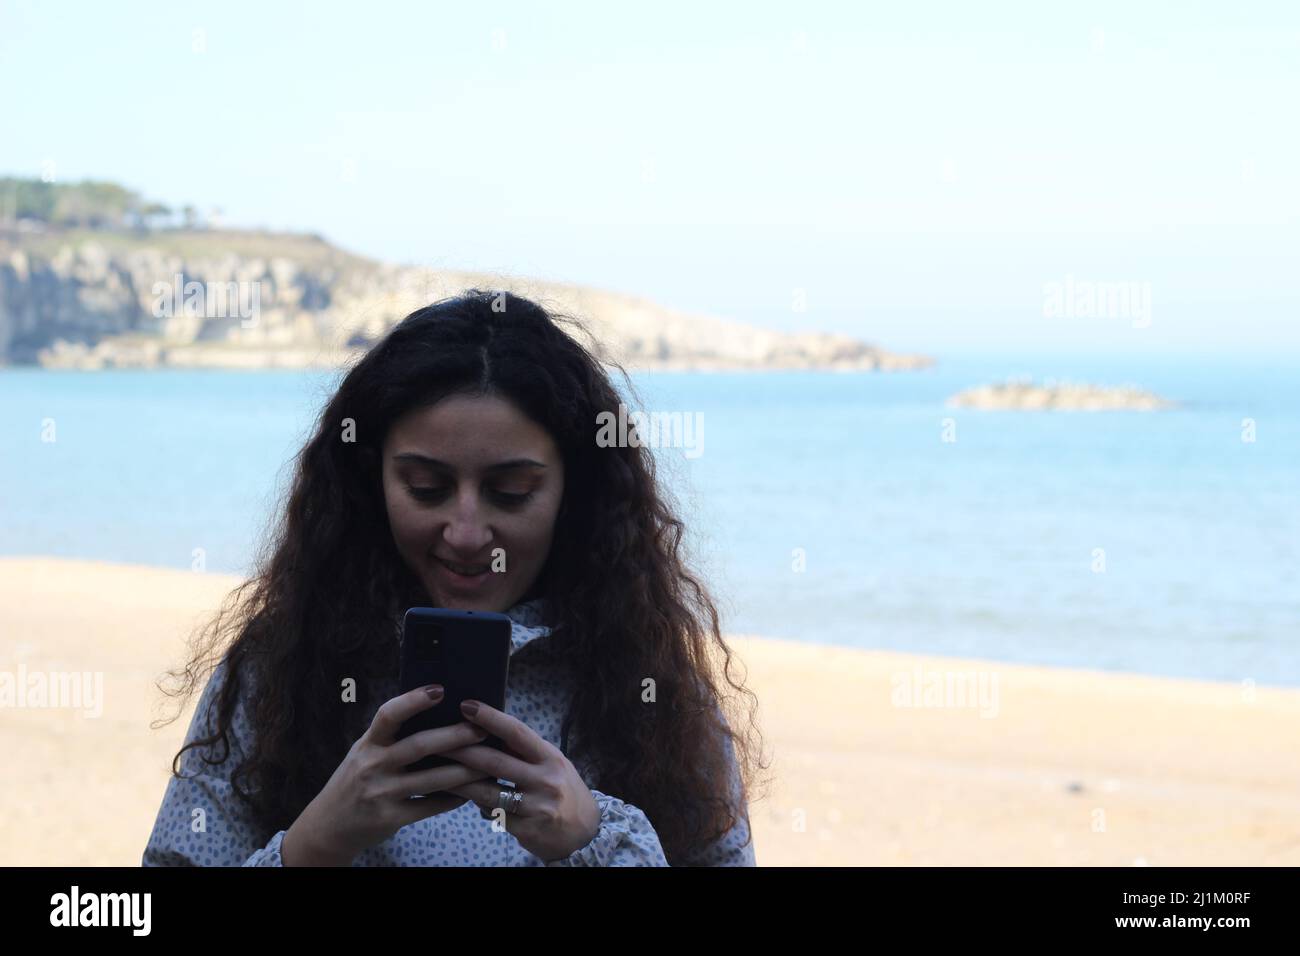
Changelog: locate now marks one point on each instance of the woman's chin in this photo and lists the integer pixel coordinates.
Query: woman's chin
(454, 602)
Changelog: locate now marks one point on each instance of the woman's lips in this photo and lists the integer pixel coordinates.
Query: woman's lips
(463, 567)
(463, 582)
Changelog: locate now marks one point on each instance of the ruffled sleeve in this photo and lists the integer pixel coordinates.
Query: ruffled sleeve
(268, 855)
(625, 838)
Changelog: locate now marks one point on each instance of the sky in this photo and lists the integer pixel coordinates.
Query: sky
(921, 175)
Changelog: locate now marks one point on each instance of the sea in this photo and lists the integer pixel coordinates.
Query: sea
(844, 508)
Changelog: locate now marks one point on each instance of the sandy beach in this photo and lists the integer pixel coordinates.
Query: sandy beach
(877, 758)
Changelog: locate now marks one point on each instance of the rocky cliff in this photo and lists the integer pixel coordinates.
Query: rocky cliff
(95, 299)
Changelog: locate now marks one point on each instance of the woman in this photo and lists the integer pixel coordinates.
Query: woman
(466, 439)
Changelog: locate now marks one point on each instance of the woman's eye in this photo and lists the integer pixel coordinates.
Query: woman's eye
(423, 494)
(510, 499)
(429, 494)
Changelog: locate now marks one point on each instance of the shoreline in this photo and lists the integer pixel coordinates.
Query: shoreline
(878, 757)
(882, 654)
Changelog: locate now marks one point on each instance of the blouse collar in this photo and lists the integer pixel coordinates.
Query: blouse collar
(527, 623)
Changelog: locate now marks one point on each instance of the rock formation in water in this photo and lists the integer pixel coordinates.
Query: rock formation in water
(1063, 396)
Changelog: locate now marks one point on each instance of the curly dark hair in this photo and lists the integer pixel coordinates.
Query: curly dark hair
(329, 585)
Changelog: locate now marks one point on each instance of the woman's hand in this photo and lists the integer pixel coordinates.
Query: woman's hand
(558, 814)
(367, 799)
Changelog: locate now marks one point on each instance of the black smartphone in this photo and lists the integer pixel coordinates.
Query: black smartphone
(468, 653)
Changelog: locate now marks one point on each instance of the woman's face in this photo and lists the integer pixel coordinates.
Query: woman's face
(474, 482)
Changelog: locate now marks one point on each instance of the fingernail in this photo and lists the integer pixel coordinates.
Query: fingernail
(469, 707)
(434, 691)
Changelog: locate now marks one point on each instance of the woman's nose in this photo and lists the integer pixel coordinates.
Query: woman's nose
(466, 531)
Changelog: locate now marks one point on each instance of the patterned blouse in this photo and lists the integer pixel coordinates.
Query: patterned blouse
(536, 694)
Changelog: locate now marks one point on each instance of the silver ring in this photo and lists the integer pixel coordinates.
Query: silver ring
(510, 800)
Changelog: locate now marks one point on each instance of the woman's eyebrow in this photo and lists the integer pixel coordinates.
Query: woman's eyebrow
(438, 463)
